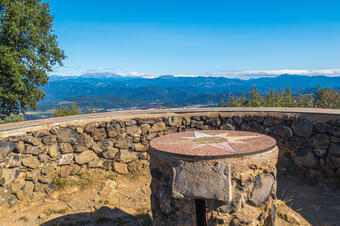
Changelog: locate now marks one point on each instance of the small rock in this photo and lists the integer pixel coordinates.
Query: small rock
(29, 149)
(80, 130)
(214, 121)
(99, 134)
(67, 135)
(113, 131)
(20, 147)
(65, 171)
(4, 195)
(262, 189)
(238, 202)
(50, 188)
(134, 131)
(157, 127)
(321, 127)
(32, 175)
(65, 148)
(174, 121)
(6, 148)
(44, 180)
(96, 163)
(12, 201)
(334, 149)
(33, 140)
(120, 168)
(66, 159)
(49, 140)
(80, 148)
(334, 131)
(96, 148)
(302, 127)
(138, 166)
(13, 161)
(335, 139)
(140, 147)
(25, 191)
(281, 131)
(320, 141)
(123, 143)
(320, 152)
(15, 186)
(145, 128)
(270, 121)
(84, 140)
(310, 161)
(126, 156)
(186, 121)
(31, 162)
(85, 157)
(53, 151)
(105, 144)
(41, 133)
(44, 158)
(110, 154)
(47, 170)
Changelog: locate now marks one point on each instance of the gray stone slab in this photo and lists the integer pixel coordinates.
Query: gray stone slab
(201, 180)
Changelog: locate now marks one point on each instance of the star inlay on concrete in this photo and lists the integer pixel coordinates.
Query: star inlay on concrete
(212, 143)
(221, 141)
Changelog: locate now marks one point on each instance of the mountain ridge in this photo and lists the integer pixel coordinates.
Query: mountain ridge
(170, 90)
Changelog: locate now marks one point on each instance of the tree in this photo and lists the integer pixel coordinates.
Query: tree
(327, 98)
(322, 98)
(73, 109)
(28, 51)
(255, 99)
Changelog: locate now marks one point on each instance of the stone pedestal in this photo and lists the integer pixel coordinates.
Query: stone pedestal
(213, 178)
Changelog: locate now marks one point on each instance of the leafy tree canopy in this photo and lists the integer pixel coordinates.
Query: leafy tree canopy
(28, 50)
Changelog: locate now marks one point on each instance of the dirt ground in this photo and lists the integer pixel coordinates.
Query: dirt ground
(95, 200)
(318, 205)
(125, 200)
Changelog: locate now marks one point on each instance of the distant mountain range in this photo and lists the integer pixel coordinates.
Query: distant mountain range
(112, 91)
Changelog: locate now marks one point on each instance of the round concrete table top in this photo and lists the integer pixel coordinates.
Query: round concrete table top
(212, 144)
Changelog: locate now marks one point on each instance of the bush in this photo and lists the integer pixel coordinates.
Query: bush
(322, 98)
(12, 118)
(73, 109)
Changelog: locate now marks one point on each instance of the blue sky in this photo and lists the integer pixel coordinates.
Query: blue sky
(198, 37)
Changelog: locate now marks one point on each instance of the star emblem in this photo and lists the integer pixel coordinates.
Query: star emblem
(220, 141)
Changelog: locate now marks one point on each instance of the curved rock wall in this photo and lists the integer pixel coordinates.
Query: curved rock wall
(31, 161)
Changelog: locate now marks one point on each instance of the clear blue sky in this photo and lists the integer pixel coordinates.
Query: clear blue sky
(196, 37)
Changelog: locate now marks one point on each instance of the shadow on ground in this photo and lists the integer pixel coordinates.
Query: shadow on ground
(319, 206)
(101, 217)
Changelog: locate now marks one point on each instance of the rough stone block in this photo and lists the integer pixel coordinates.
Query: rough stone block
(66, 159)
(31, 162)
(302, 127)
(85, 157)
(5, 149)
(120, 168)
(191, 179)
(126, 156)
(157, 127)
(262, 189)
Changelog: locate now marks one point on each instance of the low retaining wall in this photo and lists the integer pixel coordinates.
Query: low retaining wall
(33, 157)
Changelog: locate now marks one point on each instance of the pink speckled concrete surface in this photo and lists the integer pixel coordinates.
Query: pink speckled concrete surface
(212, 143)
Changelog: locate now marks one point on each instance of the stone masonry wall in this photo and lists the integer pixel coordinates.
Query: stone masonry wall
(31, 163)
